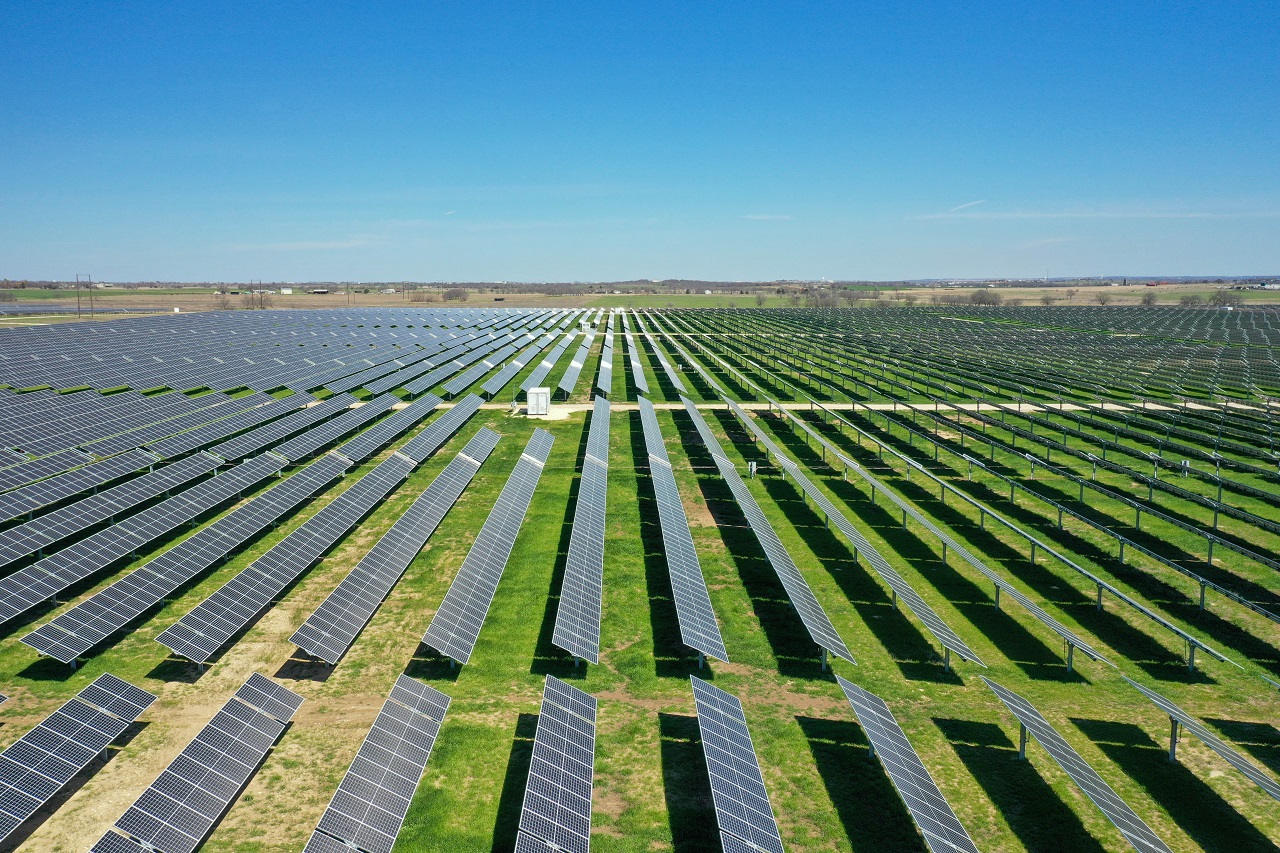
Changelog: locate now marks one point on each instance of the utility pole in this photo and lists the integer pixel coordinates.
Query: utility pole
(82, 278)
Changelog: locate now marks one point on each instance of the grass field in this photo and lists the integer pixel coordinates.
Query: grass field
(651, 790)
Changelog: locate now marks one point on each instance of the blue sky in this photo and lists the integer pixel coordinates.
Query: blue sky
(597, 141)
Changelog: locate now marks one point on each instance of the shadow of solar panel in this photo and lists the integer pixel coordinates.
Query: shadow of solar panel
(456, 625)
(371, 802)
(698, 627)
(934, 816)
(917, 605)
(577, 628)
(42, 761)
(79, 629)
(557, 799)
(333, 627)
(806, 604)
(1117, 810)
(204, 630)
(177, 811)
(737, 786)
(1191, 724)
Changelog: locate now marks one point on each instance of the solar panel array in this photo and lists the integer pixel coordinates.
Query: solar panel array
(570, 378)
(942, 830)
(26, 539)
(544, 367)
(325, 434)
(1069, 636)
(578, 615)
(78, 481)
(41, 581)
(815, 619)
(674, 377)
(1191, 724)
(177, 811)
(45, 466)
(84, 626)
(456, 625)
(333, 627)
(268, 434)
(380, 434)
(556, 814)
(743, 811)
(46, 758)
(199, 634)
(604, 379)
(185, 442)
(500, 379)
(903, 590)
(371, 802)
(637, 371)
(698, 627)
(1117, 810)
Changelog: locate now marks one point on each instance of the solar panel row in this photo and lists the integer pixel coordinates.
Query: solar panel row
(268, 434)
(75, 632)
(1117, 810)
(41, 581)
(903, 590)
(742, 806)
(42, 761)
(371, 802)
(196, 438)
(556, 814)
(577, 628)
(698, 627)
(380, 434)
(815, 619)
(942, 830)
(62, 486)
(333, 627)
(322, 436)
(177, 811)
(456, 625)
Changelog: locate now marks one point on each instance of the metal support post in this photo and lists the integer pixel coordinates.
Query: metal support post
(1022, 742)
(1173, 738)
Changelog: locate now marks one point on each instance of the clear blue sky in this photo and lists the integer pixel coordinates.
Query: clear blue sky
(587, 141)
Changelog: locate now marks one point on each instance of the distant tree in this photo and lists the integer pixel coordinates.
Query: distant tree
(1148, 298)
(257, 300)
(1071, 293)
(1224, 298)
(1047, 299)
(985, 297)
(1102, 297)
(221, 301)
(1012, 303)
(1190, 300)
(909, 298)
(455, 293)
(761, 299)
(794, 300)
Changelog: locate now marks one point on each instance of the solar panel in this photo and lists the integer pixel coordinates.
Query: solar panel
(214, 621)
(456, 625)
(45, 466)
(802, 598)
(268, 434)
(1073, 639)
(544, 367)
(46, 492)
(371, 802)
(438, 431)
(330, 431)
(902, 590)
(1191, 724)
(698, 627)
(743, 811)
(570, 378)
(637, 372)
(177, 811)
(333, 627)
(556, 814)
(84, 626)
(577, 628)
(27, 539)
(1117, 811)
(934, 816)
(41, 581)
(371, 440)
(46, 758)
(209, 433)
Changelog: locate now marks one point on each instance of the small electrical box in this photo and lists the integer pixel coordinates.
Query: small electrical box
(539, 401)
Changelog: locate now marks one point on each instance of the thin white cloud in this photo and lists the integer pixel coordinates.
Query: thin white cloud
(766, 217)
(1098, 214)
(967, 204)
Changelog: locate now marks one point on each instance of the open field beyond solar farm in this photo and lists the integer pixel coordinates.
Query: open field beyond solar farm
(1071, 502)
